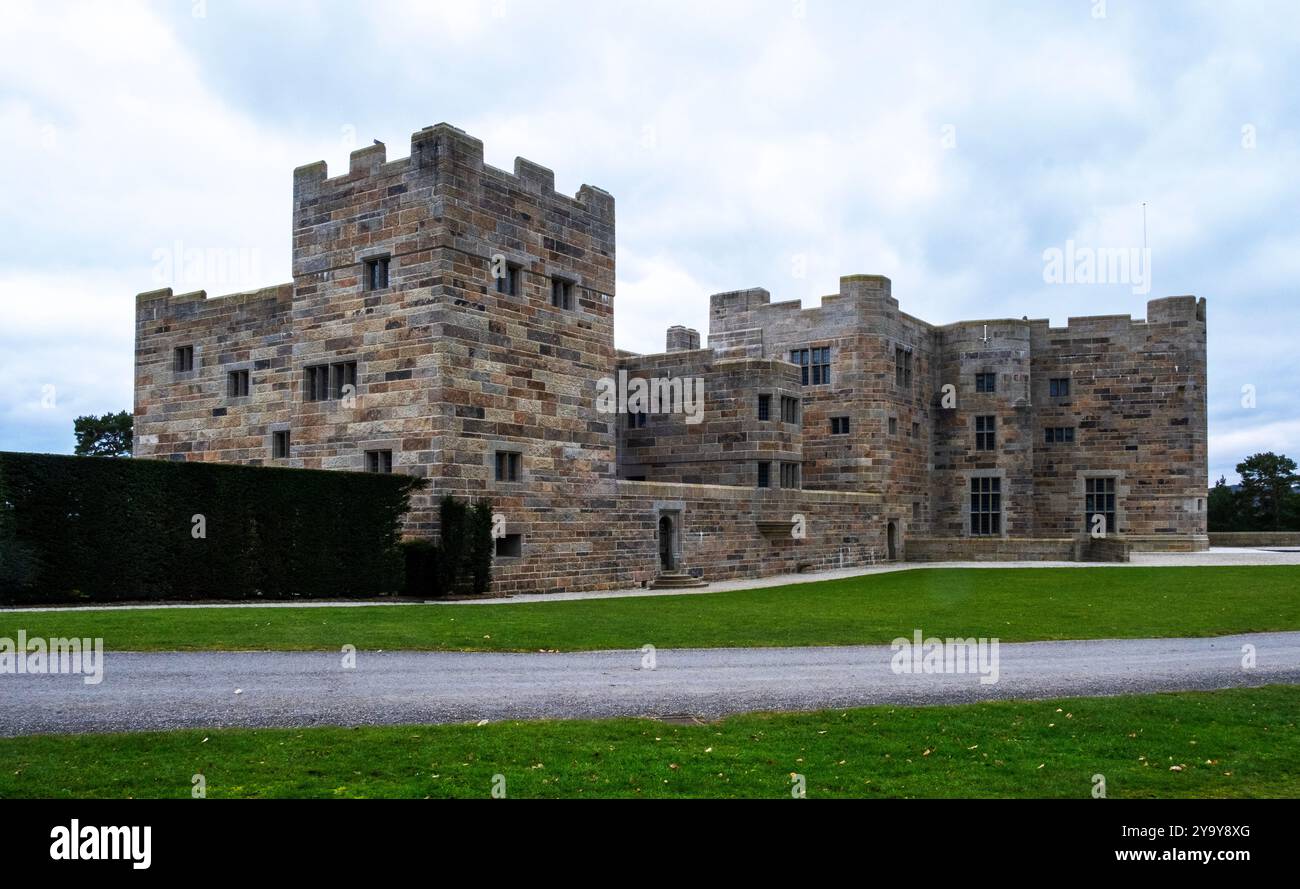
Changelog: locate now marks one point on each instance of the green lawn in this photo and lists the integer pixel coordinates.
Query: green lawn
(1239, 743)
(1010, 604)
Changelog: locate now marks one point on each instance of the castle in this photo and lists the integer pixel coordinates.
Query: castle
(454, 321)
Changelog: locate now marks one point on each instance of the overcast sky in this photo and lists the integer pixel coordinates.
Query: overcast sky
(771, 143)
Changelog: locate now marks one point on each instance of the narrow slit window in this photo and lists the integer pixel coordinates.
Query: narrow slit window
(376, 273)
(561, 293)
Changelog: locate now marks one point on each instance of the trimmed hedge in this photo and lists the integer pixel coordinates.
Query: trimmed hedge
(460, 563)
(101, 529)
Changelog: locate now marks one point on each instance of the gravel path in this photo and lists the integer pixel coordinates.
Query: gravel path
(166, 690)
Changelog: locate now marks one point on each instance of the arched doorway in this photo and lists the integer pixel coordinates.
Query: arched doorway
(891, 540)
(667, 561)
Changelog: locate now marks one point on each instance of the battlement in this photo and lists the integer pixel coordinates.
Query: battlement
(164, 302)
(440, 153)
(1166, 310)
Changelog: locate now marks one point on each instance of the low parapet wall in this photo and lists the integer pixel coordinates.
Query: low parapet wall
(990, 549)
(1255, 538)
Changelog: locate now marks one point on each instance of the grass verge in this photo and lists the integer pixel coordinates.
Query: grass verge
(1021, 604)
(1235, 743)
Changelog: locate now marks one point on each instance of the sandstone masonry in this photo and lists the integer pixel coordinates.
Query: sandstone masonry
(455, 321)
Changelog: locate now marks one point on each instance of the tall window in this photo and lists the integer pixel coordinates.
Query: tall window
(561, 293)
(765, 407)
(985, 506)
(376, 269)
(1099, 499)
(814, 365)
(1059, 387)
(183, 359)
(789, 409)
(1059, 435)
(986, 382)
(893, 425)
(839, 425)
(379, 461)
(765, 475)
(902, 367)
(790, 475)
(237, 383)
(329, 382)
(508, 463)
(985, 436)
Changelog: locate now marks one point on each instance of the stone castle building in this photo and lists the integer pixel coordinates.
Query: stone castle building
(454, 321)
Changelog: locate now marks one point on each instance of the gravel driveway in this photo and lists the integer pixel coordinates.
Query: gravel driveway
(166, 690)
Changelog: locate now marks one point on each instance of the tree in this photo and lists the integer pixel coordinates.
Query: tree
(1268, 494)
(106, 436)
(1224, 514)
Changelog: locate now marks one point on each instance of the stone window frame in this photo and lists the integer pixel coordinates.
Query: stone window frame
(570, 298)
(272, 433)
(763, 408)
(329, 364)
(490, 461)
(791, 410)
(379, 461)
(891, 425)
(369, 446)
(792, 471)
(243, 367)
(1069, 386)
(763, 475)
(1080, 493)
(806, 359)
(840, 425)
(1004, 499)
(904, 365)
(1059, 435)
(195, 362)
(515, 268)
(373, 261)
(986, 382)
(987, 445)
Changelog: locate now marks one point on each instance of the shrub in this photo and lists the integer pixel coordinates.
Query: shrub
(460, 564)
(422, 578)
(103, 529)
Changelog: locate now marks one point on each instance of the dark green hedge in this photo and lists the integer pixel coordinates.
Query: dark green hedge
(102, 529)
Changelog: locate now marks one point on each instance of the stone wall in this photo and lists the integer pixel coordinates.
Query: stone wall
(991, 549)
(725, 447)
(608, 540)
(1137, 404)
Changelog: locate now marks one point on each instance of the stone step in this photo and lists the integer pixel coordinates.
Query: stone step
(676, 580)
